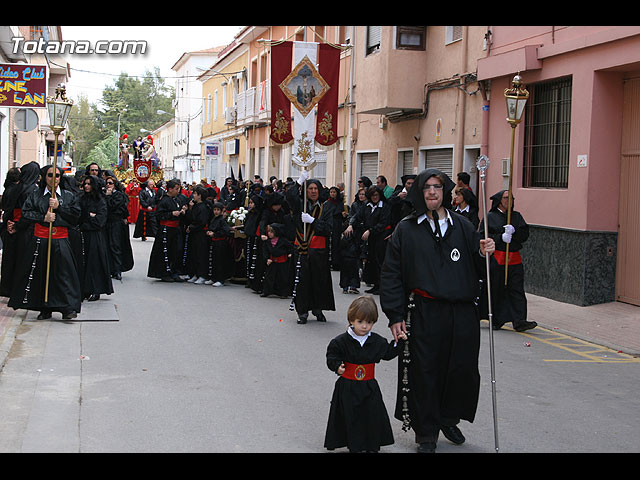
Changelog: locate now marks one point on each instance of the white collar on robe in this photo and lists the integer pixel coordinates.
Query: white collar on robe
(359, 338)
(444, 222)
(373, 207)
(58, 192)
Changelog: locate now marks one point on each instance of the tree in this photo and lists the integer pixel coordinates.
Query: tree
(94, 128)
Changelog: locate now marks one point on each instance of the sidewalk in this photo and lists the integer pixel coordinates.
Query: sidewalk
(614, 325)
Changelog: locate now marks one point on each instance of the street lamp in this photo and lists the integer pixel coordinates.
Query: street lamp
(516, 98)
(59, 108)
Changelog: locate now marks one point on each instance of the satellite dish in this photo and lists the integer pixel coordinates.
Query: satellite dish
(26, 119)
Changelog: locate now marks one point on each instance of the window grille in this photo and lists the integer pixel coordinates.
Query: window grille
(547, 134)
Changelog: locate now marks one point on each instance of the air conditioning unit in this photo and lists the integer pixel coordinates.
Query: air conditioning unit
(229, 115)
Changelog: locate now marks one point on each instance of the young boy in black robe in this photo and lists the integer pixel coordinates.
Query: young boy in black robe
(358, 418)
(165, 259)
(220, 254)
(278, 251)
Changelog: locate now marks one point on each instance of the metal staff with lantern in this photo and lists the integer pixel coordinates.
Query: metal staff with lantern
(59, 108)
(482, 165)
(516, 98)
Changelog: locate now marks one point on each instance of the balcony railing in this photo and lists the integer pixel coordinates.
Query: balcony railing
(253, 104)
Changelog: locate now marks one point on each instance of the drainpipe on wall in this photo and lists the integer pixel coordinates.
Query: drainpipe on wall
(349, 181)
(459, 145)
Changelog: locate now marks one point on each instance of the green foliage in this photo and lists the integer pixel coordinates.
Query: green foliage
(93, 128)
(104, 153)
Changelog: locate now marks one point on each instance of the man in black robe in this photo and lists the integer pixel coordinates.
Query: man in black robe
(508, 301)
(430, 280)
(165, 260)
(63, 211)
(314, 289)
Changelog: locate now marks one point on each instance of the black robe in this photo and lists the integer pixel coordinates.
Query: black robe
(117, 233)
(378, 221)
(444, 340)
(335, 207)
(30, 276)
(147, 222)
(221, 262)
(196, 240)
(254, 249)
(97, 273)
(165, 260)
(13, 243)
(509, 303)
(358, 418)
(277, 280)
(314, 288)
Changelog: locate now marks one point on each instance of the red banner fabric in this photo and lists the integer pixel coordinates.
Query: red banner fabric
(281, 55)
(327, 119)
(142, 170)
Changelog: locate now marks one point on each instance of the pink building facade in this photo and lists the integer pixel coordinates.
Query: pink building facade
(575, 169)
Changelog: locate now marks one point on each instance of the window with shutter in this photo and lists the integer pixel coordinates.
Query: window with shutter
(373, 39)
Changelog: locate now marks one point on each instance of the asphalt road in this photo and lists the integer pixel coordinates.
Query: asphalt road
(160, 367)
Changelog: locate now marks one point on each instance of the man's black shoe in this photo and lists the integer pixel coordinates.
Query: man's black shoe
(44, 315)
(69, 315)
(166, 279)
(302, 319)
(320, 317)
(497, 326)
(94, 297)
(453, 434)
(525, 326)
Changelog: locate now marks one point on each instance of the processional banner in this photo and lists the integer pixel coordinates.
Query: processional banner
(304, 87)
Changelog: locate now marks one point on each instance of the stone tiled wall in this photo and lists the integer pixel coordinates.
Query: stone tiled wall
(570, 266)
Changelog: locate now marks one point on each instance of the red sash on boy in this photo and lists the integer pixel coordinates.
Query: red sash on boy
(354, 371)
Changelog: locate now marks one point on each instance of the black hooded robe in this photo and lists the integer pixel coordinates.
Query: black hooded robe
(442, 276)
(198, 242)
(31, 273)
(97, 272)
(13, 243)
(314, 290)
(117, 233)
(254, 249)
(509, 302)
(165, 259)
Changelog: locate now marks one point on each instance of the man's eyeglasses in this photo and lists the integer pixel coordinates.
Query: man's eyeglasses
(50, 175)
(437, 186)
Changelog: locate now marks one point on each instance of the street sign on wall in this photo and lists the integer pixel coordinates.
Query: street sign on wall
(23, 85)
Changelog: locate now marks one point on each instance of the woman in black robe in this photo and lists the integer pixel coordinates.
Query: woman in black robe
(197, 220)
(221, 261)
(117, 228)
(93, 220)
(15, 230)
(28, 290)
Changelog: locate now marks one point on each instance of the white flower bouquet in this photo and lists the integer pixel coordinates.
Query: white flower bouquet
(236, 217)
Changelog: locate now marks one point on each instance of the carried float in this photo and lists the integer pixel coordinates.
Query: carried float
(138, 161)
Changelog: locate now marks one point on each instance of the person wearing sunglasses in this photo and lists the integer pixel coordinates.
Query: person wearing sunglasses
(60, 211)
